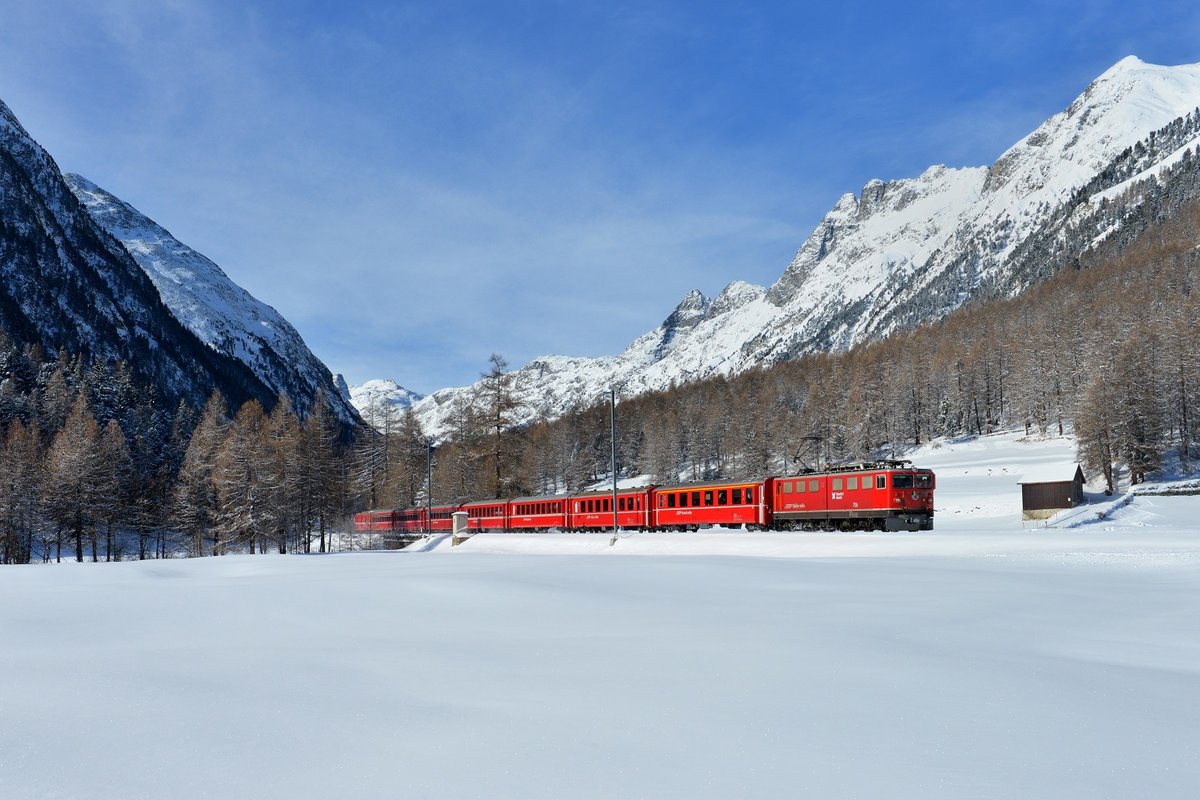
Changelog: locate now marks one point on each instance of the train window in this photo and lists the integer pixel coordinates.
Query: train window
(722, 497)
(695, 498)
(837, 485)
(607, 504)
(852, 483)
(812, 485)
(670, 501)
(880, 481)
(708, 498)
(788, 487)
(902, 481)
(662, 501)
(924, 481)
(737, 497)
(749, 495)
(683, 500)
(799, 487)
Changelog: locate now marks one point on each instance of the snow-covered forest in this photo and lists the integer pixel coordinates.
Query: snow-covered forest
(96, 469)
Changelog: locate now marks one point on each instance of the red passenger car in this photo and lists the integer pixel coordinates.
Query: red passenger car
(689, 507)
(486, 515)
(440, 521)
(544, 513)
(377, 521)
(591, 511)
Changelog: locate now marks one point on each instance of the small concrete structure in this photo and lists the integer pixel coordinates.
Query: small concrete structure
(459, 532)
(1045, 491)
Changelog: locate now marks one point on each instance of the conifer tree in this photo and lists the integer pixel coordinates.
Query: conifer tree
(74, 473)
(243, 475)
(114, 486)
(195, 498)
(21, 487)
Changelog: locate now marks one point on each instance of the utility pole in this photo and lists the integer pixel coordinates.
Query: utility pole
(612, 418)
(428, 486)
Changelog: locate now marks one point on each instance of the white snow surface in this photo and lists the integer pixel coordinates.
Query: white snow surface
(875, 259)
(979, 660)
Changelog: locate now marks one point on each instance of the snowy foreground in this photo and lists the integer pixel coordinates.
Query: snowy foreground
(981, 660)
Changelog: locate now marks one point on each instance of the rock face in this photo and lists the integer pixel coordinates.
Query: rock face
(220, 313)
(69, 286)
(898, 253)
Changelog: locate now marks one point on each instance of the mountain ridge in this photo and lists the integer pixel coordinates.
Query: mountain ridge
(217, 310)
(893, 255)
(68, 286)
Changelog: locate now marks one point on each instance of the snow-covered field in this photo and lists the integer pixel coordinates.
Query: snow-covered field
(981, 660)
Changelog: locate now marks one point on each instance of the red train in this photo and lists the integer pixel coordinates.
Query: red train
(883, 495)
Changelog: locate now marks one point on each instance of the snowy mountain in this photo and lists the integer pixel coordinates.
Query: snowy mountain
(897, 254)
(222, 314)
(70, 287)
(377, 394)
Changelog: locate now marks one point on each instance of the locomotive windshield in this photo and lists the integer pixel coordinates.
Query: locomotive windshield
(919, 481)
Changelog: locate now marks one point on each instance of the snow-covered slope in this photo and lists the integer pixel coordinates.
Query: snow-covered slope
(70, 287)
(377, 394)
(896, 254)
(222, 314)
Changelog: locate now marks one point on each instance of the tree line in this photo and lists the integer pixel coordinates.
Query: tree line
(95, 469)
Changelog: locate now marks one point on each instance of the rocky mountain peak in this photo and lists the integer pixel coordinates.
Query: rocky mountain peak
(894, 254)
(221, 313)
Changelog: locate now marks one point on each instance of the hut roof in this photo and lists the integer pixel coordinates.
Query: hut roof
(1062, 472)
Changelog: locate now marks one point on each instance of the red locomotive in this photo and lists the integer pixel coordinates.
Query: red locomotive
(880, 495)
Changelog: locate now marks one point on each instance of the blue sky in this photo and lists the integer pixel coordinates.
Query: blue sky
(416, 186)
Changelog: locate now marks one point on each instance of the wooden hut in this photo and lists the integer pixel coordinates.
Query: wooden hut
(1047, 490)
